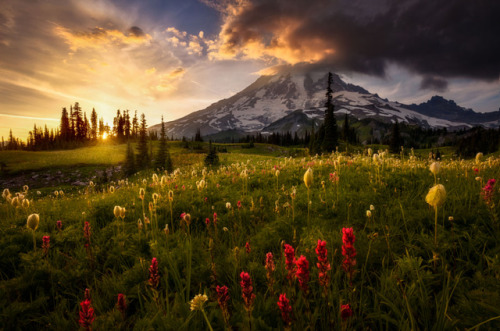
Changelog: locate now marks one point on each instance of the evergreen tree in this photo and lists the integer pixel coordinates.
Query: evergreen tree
(212, 158)
(93, 122)
(345, 129)
(135, 126)
(395, 141)
(65, 127)
(129, 167)
(330, 140)
(142, 147)
(161, 156)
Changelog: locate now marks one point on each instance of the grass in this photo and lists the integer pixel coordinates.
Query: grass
(402, 278)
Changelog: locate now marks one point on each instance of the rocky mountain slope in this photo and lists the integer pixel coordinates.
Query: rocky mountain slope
(291, 101)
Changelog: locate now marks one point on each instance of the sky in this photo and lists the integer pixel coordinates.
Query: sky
(169, 58)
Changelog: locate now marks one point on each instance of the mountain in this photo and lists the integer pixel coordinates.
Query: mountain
(295, 101)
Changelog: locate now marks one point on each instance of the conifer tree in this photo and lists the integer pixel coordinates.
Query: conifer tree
(330, 140)
(142, 147)
(93, 122)
(395, 142)
(161, 156)
(65, 127)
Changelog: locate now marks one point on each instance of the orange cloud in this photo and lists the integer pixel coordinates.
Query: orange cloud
(99, 37)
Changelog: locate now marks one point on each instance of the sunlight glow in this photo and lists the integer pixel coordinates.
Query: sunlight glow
(104, 136)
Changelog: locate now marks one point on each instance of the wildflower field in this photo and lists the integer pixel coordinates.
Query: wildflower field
(333, 242)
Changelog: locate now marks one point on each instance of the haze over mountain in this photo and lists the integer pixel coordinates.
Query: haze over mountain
(291, 101)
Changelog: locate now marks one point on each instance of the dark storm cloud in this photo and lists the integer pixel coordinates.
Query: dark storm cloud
(456, 38)
(136, 31)
(434, 83)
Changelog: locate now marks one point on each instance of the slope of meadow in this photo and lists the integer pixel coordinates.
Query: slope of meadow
(405, 265)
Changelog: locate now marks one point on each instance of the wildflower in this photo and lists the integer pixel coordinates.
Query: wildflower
(15, 202)
(222, 299)
(154, 276)
(207, 221)
(26, 203)
(368, 214)
(479, 156)
(376, 158)
(170, 195)
(5, 193)
(290, 261)
(56, 193)
(117, 211)
(163, 180)
(228, 205)
(186, 218)
(25, 188)
(285, 308)
(247, 247)
(238, 204)
(86, 315)
(246, 290)
(270, 267)
(86, 234)
(308, 178)
(323, 265)
(111, 189)
(155, 197)
(372, 207)
(121, 303)
(225, 229)
(435, 167)
(142, 193)
(155, 178)
(302, 272)
(487, 191)
(450, 218)
(59, 225)
(122, 212)
(166, 230)
(345, 311)
(46, 244)
(139, 224)
(198, 301)
(436, 196)
(348, 251)
(215, 219)
(33, 221)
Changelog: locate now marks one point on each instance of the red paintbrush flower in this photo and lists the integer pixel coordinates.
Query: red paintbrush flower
(346, 311)
(246, 290)
(290, 261)
(303, 272)
(323, 265)
(46, 244)
(86, 315)
(247, 247)
(154, 276)
(349, 252)
(87, 232)
(286, 309)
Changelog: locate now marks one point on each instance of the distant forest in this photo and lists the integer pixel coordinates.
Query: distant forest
(77, 130)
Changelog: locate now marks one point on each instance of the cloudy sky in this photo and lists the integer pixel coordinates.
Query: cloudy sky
(172, 57)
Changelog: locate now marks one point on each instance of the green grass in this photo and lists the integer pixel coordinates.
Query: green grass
(402, 279)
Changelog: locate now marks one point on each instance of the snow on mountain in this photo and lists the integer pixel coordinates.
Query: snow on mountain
(271, 98)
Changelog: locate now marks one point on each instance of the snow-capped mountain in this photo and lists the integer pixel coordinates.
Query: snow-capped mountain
(271, 101)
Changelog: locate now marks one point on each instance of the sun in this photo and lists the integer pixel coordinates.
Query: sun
(104, 136)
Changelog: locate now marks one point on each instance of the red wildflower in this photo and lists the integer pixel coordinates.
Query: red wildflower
(46, 244)
(246, 290)
(302, 272)
(59, 225)
(215, 219)
(476, 170)
(270, 267)
(222, 296)
(207, 221)
(86, 294)
(348, 251)
(86, 234)
(290, 261)
(222, 299)
(345, 311)
(488, 191)
(121, 303)
(86, 315)
(247, 247)
(286, 309)
(238, 204)
(154, 276)
(323, 265)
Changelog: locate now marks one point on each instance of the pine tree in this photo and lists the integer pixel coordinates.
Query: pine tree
(161, 156)
(212, 158)
(93, 122)
(330, 140)
(395, 142)
(65, 127)
(129, 167)
(142, 147)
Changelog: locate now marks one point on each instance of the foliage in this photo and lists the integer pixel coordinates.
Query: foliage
(401, 278)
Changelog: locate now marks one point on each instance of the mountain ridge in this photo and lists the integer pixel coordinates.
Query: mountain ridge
(266, 104)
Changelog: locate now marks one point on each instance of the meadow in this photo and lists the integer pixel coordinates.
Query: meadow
(364, 240)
